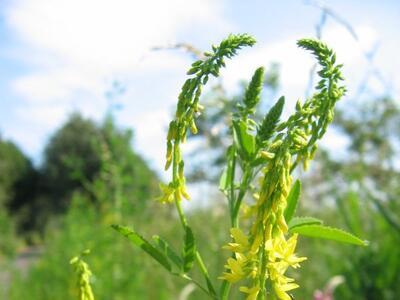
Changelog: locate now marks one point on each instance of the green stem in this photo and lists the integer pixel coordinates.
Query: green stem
(199, 260)
(181, 214)
(184, 223)
(185, 276)
(247, 176)
(226, 286)
(204, 270)
(231, 199)
(225, 289)
(263, 272)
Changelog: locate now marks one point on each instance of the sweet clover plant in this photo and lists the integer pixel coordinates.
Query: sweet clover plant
(260, 163)
(83, 274)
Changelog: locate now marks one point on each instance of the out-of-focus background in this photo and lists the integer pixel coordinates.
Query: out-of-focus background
(87, 89)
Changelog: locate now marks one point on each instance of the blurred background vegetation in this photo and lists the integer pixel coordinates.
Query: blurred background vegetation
(90, 178)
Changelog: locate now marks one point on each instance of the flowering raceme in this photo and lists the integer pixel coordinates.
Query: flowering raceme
(266, 253)
(260, 162)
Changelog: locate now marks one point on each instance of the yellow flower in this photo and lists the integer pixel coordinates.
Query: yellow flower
(279, 248)
(281, 289)
(167, 193)
(253, 292)
(236, 269)
(240, 244)
(281, 256)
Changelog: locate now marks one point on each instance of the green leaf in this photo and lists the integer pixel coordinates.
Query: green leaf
(223, 182)
(166, 249)
(301, 221)
(227, 175)
(292, 200)
(350, 210)
(270, 121)
(139, 241)
(189, 250)
(244, 141)
(328, 233)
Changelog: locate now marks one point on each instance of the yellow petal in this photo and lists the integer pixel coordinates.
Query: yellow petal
(239, 236)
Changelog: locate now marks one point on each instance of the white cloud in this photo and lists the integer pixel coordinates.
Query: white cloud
(76, 48)
(55, 85)
(75, 44)
(149, 131)
(106, 34)
(295, 63)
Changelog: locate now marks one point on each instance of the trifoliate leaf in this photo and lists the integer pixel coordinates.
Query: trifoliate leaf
(139, 241)
(166, 249)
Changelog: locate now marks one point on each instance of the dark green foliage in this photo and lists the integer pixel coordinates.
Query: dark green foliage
(70, 156)
(8, 241)
(79, 156)
(18, 184)
(81, 151)
(15, 167)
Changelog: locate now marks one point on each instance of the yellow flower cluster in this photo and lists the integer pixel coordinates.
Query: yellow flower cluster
(83, 272)
(280, 256)
(266, 254)
(170, 193)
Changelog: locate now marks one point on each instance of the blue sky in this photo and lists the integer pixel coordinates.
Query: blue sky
(58, 56)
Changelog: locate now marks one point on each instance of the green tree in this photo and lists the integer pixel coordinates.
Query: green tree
(18, 180)
(70, 151)
(14, 167)
(82, 150)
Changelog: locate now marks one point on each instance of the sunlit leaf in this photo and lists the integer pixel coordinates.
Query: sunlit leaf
(300, 221)
(328, 233)
(244, 141)
(292, 201)
(139, 241)
(189, 249)
(166, 249)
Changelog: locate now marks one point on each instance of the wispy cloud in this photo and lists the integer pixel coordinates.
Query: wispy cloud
(75, 49)
(74, 43)
(295, 63)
